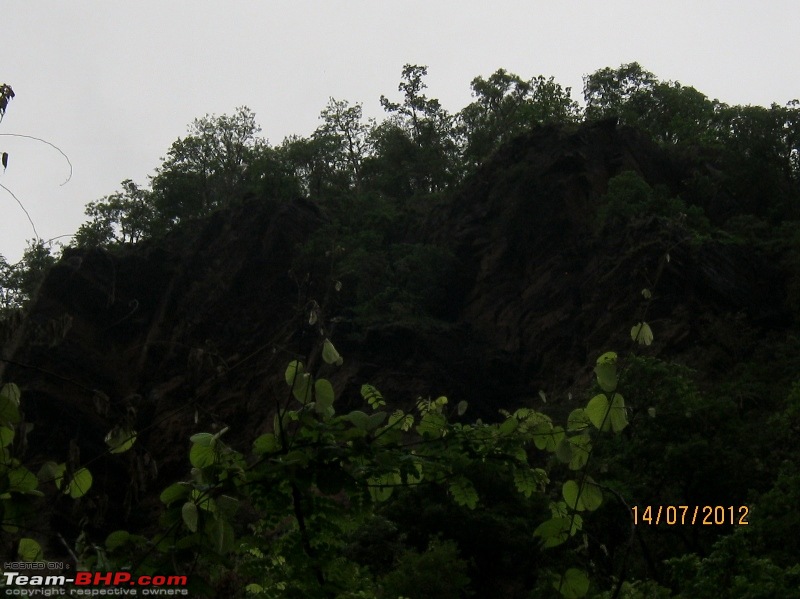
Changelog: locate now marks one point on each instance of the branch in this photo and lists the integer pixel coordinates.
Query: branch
(44, 141)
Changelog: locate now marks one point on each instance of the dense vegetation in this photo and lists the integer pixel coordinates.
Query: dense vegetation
(374, 502)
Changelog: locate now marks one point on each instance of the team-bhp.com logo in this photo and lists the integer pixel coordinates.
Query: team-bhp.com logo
(93, 584)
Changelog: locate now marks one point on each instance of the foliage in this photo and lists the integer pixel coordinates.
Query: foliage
(123, 217)
(505, 105)
(19, 282)
(629, 196)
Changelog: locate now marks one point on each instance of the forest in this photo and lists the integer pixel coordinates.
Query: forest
(532, 348)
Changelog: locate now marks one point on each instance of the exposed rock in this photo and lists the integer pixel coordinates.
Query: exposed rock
(193, 332)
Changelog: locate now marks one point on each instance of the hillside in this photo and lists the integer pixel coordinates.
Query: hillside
(500, 290)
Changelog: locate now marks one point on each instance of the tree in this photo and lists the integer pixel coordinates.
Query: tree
(206, 167)
(431, 160)
(122, 217)
(344, 124)
(505, 105)
(611, 92)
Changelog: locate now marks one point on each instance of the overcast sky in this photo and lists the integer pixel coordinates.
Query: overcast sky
(114, 83)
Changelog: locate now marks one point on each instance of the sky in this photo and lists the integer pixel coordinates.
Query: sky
(112, 84)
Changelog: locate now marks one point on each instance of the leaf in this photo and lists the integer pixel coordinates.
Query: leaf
(651, 412)
(618, 416)
(432, 425)
(323, 397)
(9, 404)
(372, 396)
(463, 492)
(293, 370)
(22, 480)
(6, 436)
(461, 408)
(573, 584)
(606, 372)
(642, 333)
(202, 456)
(590, 497)
(548, 437)
(646, 293)
(120, 439)
(267, 443)
(581, 447)
(29, 550)
(80, 484)
(578, 420)
(330, 355)
(221, 534)
(597, 411)
(381, 487)
(174, 493)
(117, 539)
(554, 531)
(204, 439)
(5, 160)
(529, 480)
(189, 515)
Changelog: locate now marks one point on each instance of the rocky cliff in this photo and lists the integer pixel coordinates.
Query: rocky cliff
(192, 332)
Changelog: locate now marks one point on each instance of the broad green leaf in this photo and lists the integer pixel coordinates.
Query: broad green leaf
(221, 534)
(52, 472)
(189, 515)
(564, 451)
(573, 584)
(6, 436)
(120, 439)
(204, 439)
(11, 393)
(202, 456)
(651, 412)
(174, 493)
(22, 480)
(548, 437)
(80, 484)
(359, 419)
(578, 420)
(375, 420)
(592, 495)
(642, 333)
(581, 448)
(227, 506)
(381, 487)
(463, 492)
(330, 355)
(323, 396)
(267, 443)
(432, 425)
(618, 416)
(569, 491)
(606, 375)
(117, 539)
(597, 411)
(29, 550)
(9, 404)
(590, 498)
(293, 370)
(508, 426)
(461, 408)
(553, 532)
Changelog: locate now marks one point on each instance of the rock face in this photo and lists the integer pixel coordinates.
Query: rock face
(193, 332)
